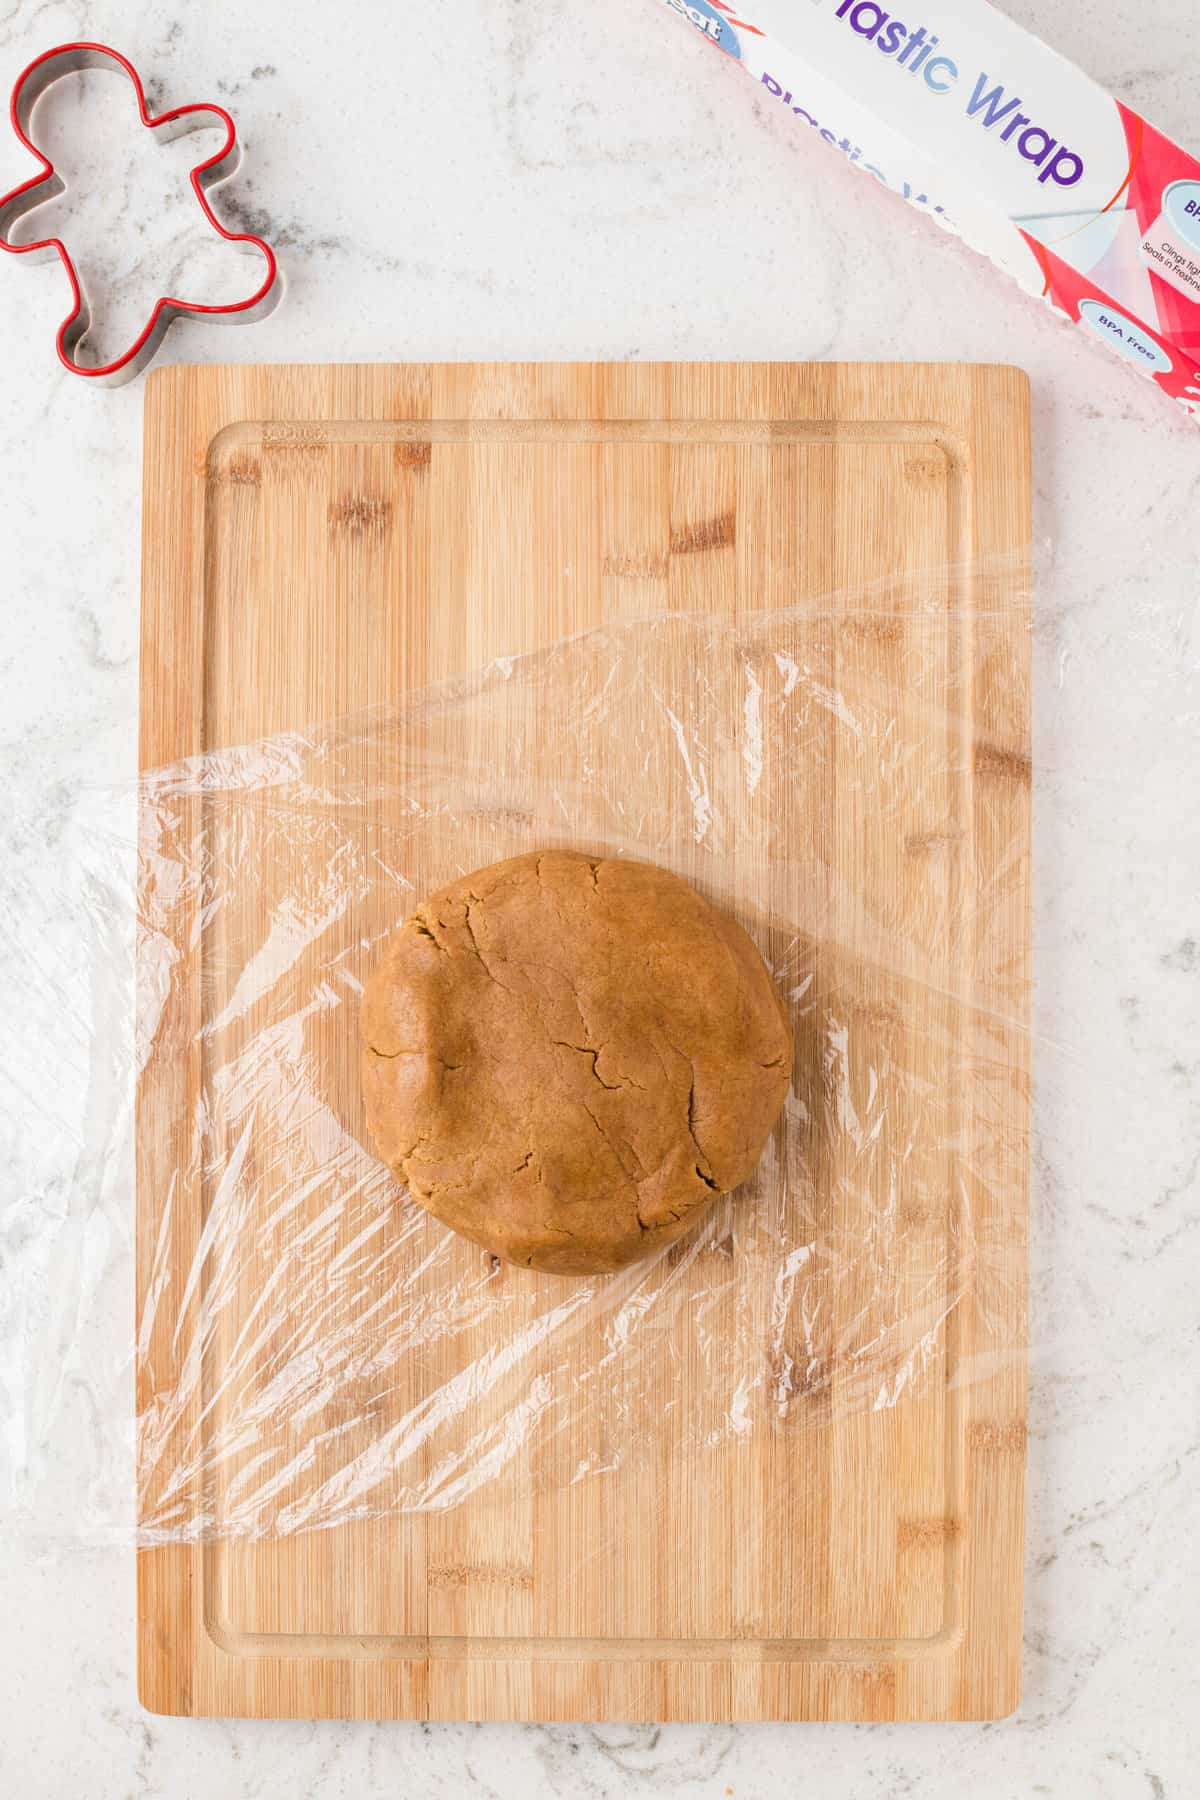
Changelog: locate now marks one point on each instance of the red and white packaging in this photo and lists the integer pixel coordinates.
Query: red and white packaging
(1006, 143)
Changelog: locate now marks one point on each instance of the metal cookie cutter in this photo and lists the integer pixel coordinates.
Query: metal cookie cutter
(69, 59)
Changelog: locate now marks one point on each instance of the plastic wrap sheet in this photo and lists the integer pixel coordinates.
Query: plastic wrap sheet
(311, 1346)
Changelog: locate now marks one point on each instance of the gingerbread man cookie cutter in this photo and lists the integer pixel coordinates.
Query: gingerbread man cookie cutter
(31, 84)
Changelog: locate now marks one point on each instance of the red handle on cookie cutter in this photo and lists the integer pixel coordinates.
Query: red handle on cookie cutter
(31, 84)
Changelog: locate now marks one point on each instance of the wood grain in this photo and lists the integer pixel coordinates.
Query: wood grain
(318, 540)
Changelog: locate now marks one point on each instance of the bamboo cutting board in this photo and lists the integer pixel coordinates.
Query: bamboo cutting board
(320, 539)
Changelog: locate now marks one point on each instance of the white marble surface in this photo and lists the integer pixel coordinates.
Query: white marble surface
(549, 180)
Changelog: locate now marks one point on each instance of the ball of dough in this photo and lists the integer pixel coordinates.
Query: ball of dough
(567, 1058)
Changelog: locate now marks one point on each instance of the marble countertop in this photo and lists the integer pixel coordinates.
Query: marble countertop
(539, 169)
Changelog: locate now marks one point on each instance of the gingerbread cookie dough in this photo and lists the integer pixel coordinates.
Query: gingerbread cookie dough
(567, 1058)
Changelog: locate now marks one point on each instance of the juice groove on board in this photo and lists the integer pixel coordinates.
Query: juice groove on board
(318, 540)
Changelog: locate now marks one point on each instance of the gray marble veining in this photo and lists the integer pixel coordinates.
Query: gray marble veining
(552, 181)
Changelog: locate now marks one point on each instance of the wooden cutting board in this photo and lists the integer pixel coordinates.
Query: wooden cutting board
(322, 539)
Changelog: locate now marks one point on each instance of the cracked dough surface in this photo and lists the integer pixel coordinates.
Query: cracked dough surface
(566, 1058)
